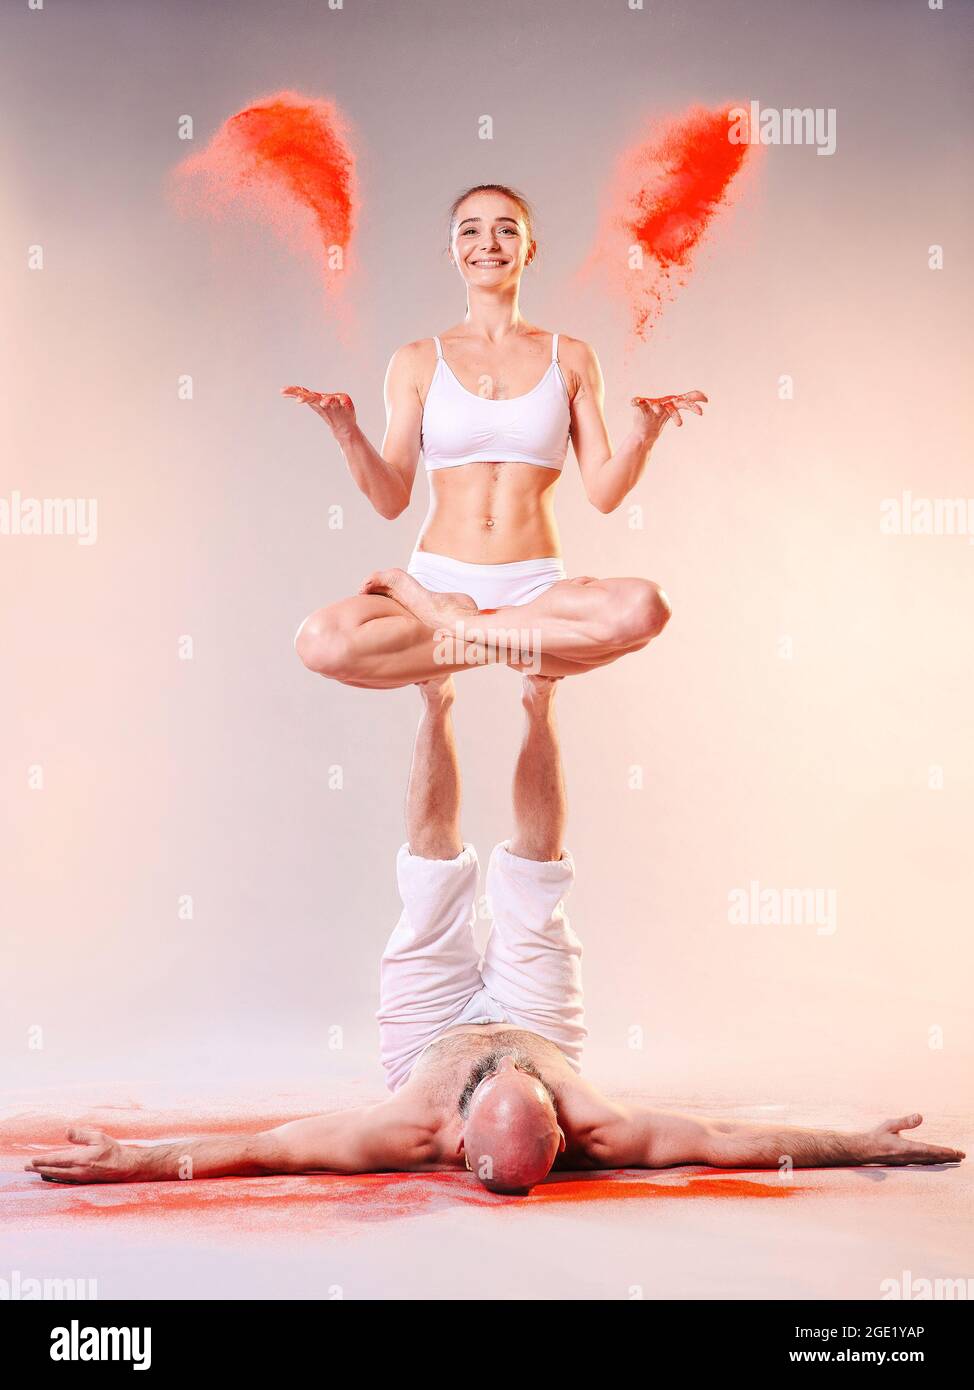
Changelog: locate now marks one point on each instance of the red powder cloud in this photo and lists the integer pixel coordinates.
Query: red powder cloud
(665, 194)
(286, 160)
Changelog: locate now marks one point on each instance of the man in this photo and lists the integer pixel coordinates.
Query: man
(482, 1058)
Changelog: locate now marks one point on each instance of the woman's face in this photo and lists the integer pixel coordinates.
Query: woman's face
(490, 245)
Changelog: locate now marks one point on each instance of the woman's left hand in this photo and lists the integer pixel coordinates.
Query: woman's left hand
(652, 412)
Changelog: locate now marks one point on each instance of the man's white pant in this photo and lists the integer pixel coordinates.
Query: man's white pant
(432, 977)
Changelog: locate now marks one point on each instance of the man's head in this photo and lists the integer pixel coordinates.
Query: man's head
(510, 1136)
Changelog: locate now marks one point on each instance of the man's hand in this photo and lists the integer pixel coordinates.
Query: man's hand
(736, 1144)
(884, 1144)
(97, 1158)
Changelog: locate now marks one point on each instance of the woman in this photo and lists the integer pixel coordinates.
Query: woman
(491, 404)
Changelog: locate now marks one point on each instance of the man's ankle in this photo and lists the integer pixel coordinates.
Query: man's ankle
(438, 694)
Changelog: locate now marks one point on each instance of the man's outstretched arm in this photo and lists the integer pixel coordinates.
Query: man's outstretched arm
(368, 1139)
(642, 1138)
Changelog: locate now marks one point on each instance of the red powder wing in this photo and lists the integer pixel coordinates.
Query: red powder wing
(665, 194)
(288, 161)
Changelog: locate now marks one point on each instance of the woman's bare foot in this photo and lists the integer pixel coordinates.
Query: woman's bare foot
(433, 610)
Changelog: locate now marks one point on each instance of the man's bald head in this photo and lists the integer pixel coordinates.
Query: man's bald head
(510, 1133)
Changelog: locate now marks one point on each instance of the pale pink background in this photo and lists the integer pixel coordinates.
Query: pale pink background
(209, 777)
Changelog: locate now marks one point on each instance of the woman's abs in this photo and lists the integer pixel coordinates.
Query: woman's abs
(491, 513)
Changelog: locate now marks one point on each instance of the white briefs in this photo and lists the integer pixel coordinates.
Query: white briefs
(490, 586)
(432, 977)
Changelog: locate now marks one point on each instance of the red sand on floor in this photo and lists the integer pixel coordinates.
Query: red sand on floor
(311, 1201)
(325, 1200)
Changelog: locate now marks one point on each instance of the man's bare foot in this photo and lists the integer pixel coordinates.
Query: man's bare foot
(433, 610)
(538, 692)
(438, 692)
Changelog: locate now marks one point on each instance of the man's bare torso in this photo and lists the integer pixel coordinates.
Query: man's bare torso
(437, 1080)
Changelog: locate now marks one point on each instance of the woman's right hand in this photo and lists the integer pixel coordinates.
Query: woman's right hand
(335, 407)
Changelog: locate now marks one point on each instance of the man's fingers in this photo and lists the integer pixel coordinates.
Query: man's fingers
(63, 1161)
(930, 1153)
(673, 413)
(79, 1135)
(923, 1157)
(63, 1176)
(905, 1122)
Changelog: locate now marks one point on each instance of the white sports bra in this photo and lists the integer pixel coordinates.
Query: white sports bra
(461, 427)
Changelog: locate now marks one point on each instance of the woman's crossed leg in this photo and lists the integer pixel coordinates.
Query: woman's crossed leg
(395, 632)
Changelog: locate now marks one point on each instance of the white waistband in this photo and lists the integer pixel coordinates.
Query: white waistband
(547, 564)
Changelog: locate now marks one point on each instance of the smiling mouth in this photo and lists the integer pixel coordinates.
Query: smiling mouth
(491, 264)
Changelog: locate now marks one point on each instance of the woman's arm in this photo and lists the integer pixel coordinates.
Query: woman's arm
(367, 1139)
(385, 476)
(610, 476)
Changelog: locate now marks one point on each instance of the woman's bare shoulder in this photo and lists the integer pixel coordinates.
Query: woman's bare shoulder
(578, 351)
(411, 364)
(416, 351)
(579, 366)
